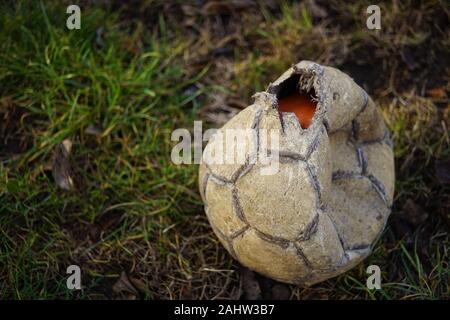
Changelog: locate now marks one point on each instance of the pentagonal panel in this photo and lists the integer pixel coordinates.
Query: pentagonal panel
(281, 204)
(268, 258)
(380, 164)
(222, 211)
(231, 146)
(343, 153)
(357, 211)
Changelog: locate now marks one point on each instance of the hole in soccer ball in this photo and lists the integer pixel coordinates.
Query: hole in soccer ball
(292, 99)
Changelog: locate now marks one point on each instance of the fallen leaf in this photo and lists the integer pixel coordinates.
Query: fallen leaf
(219, 107)
(442, 171)
(437, 93)
(62, 170)
(189, 10)
(138, 284)
(92, 130)
(108, 220)
(413, 213)
(124, 287)
(316, 10)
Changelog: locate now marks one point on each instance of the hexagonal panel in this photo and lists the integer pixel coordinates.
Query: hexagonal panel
(380, 164)
(357, 211)
(343, 153)
(280, 205)
(228, 149)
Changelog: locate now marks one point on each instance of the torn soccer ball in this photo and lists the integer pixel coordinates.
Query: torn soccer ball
(311, 181)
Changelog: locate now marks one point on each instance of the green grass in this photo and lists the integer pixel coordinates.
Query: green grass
(63, 81)
(132, 210)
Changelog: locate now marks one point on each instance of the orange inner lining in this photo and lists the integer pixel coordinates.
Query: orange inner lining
(301, 105)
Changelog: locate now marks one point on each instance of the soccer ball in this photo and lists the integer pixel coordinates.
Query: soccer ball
(301, 204)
